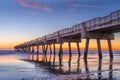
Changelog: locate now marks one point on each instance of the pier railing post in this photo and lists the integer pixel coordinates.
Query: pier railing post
(99, 49)
(110, 48)
(86, 48)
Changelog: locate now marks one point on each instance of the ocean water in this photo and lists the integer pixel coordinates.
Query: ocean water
(25, 66)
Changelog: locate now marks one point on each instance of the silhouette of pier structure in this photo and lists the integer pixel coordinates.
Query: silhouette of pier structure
(100, 28)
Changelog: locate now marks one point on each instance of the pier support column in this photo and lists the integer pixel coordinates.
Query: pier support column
(99, 49)
(86, 48)
(70, 55)
(50, 52)
(110, 48)
(43, 49)
(46, 52)
(29, 49)
(32, 49)
(32, 52)
(37, 52)
(78, 48)
(60, 54)
(54, 53)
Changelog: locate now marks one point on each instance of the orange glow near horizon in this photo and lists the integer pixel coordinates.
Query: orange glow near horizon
(9, 45)
(92, 45)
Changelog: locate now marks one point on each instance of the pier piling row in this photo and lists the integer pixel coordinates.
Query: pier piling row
(100, 28)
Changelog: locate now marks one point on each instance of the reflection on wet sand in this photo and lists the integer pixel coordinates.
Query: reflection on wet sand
(87, 74)
(86, 68)
(78, 66)
(111, 70)
(99, 69)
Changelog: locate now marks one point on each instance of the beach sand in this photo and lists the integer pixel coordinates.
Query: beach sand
(21, 66)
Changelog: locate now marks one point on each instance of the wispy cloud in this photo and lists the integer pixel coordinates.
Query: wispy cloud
(47, 9)
(80, 5)
(34, 4)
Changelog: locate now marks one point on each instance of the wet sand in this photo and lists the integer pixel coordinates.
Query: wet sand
(23, 66)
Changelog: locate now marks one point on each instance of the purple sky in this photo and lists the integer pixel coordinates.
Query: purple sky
(23, 20)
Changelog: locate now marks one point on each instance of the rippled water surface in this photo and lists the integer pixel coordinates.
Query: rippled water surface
(23, 66)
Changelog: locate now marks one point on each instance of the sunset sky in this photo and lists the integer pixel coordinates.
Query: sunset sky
(24, 20)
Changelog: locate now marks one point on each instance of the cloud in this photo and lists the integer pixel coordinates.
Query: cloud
(34, 4)
(79, 5)
(46, 9)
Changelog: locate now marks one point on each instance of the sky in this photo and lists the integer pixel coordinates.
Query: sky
(24, 20)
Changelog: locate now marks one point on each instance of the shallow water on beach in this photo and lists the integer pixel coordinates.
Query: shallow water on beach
(23, 66)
